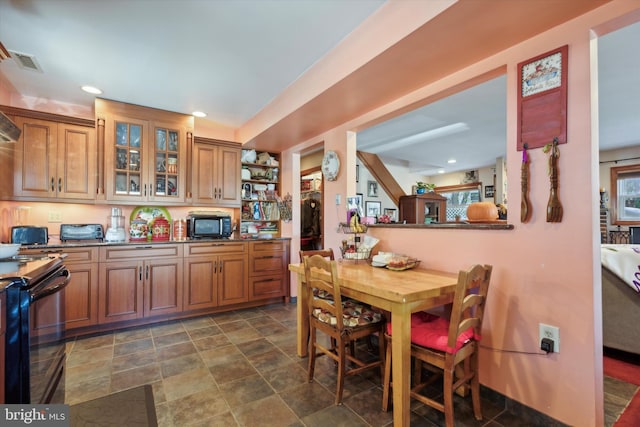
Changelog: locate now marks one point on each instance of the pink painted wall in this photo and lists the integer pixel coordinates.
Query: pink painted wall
(543, 272)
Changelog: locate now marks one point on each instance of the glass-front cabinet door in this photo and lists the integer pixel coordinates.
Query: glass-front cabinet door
(168, 164)
(166, 153)
(145, 162)
(128, 159)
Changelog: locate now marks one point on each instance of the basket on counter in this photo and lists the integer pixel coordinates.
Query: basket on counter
(357, 255)
(348, 229)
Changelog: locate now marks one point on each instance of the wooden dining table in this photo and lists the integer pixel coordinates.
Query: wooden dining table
(399, 292)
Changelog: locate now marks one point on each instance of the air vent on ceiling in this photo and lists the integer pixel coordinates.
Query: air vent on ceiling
(25, 61)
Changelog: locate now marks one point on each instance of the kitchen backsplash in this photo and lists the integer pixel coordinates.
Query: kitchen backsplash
(52, 215)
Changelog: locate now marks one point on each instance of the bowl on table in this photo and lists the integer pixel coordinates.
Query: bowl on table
(8, 250)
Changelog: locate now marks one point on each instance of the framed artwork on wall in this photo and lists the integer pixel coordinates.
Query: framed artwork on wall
(373, 209)
(372, 189)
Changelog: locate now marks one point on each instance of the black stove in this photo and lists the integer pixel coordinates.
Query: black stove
(35, 315)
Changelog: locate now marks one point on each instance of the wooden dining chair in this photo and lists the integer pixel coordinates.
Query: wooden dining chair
(326, 253)
(344, 321)
(447, 347)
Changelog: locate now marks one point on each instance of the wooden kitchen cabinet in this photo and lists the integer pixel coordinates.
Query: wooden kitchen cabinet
(215, 274)
(268, 274)
(139, 281)
(81, 294)
(216, 173)
(145, 152)
(55, 160)
(417, 208)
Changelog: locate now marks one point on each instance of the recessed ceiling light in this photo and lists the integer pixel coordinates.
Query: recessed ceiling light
(451, 161)
(91, 89)
(198, 114)
(440, 170)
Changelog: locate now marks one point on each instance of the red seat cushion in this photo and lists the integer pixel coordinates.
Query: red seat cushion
(432, 331)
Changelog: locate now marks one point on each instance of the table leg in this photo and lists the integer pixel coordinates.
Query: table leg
(302, 317)
(401, 363)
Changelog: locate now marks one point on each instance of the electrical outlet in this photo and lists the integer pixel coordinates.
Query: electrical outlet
(55, 216)
(337, 199)
(552, 333)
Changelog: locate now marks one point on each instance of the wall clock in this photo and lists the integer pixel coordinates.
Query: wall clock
(330, 166)
(542, 99)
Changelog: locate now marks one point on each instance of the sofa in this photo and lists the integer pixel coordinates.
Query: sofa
(620, 314)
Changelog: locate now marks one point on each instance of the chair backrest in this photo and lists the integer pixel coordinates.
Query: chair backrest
(322, 274)
(469, 302)
(326, 253)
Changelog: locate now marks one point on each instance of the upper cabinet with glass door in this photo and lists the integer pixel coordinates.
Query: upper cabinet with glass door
(145, 153)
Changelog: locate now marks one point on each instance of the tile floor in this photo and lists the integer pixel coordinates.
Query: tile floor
(240, 368)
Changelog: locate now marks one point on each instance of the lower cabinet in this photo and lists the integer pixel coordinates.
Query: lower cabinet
(215, 274)
(149, 285)
(81, 294)
(120, 283)
(268, 274)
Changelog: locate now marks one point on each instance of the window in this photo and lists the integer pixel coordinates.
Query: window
(459, 197)
(625, 195)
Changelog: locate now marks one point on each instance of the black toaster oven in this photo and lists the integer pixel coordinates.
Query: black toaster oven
(29, 235)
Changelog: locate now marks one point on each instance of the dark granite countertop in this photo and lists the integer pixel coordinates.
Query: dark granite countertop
(53, 244)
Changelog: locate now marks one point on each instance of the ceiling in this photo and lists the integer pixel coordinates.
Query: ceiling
(230, 59)
(470, 126)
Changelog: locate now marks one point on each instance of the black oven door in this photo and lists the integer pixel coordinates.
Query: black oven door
(35, 352)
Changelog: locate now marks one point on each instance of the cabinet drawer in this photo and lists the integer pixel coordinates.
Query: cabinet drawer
(120, 253)
(269, 245)
(267, 287)
(74, 255)
(214, 248)
(267, 263)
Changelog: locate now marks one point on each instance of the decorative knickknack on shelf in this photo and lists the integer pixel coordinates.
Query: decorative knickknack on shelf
(423, 187)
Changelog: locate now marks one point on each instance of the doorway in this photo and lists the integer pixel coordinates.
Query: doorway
(311, 224)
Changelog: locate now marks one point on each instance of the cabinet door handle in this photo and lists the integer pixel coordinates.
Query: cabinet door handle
(140, 273)
(215, 267)
(147, 273)
(269, 256)
(53, 184)
(145, 190)
(221, 263)
(217, 244)
(59, 185)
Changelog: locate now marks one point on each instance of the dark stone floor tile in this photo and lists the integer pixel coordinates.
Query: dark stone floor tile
(222, 318)
(94, 342)
(170, 339)
(130, 347)
(207, 331)
(213, 342)
(245, 390)
(175, 350)
(180, 365)
(368, 404)
(134, 360)
(334, 416)
(135, 377)
(232, 371)
(197, 407)
(243, 335)
(270, 410)
(255, 347)
(166, 328)
(132, 334)
(285, 377)
(307, 399)
(269, 360)
(197, 323)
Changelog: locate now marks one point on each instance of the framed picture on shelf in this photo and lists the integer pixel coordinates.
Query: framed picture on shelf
(489, 190)
(373, 209)
(372, 189)
(392, 214)
(355, 203)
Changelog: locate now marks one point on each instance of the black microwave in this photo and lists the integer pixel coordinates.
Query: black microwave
(208, 226)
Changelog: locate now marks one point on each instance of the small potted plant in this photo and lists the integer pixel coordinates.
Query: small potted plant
(423, 187)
